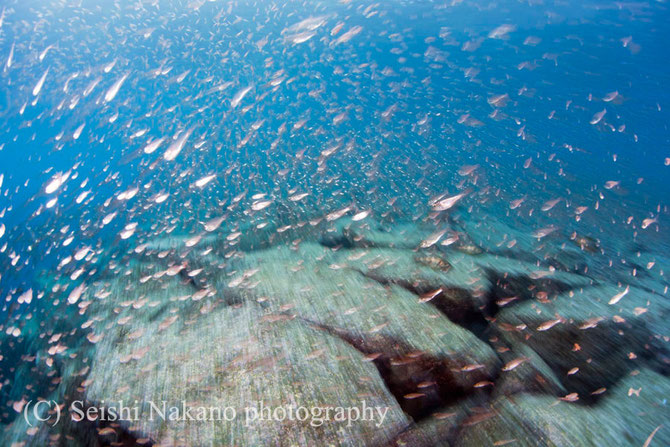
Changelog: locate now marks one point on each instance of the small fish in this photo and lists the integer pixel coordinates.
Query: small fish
(76, 294)
(175, 148)
(193, 241)
(260, 204)
(542, 232)
(502, 31)
(449, 202)
(337, 214)
(239, 96)
(651, 436)
(550, 204)
(40, 83)
(616, 298)
(43, 54)
(432, 239)
(611, 96)
(509, 366)
(346, 37)
(549, 324)
(106, 431)
(298, 197)
(514, 204)
(473, 367)
(429, 295)
(153, 145)
(572, 397)
(598, 117)
(467, 170)
(8, 64)
(114, 89)
(361, 215)
(77, 132)
(57, 182)
(649, 221)
(591, 323)
(611, 184)
(200, 183)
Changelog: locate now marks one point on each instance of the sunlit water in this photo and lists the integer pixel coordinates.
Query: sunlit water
(338, 184)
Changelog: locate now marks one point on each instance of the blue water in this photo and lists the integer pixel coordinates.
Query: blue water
(414, 85)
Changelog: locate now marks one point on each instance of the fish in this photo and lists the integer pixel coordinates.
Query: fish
(572, 397)
(176, 147)
(239, 96)
(598, 117)
(432, 239)
(153, 145)
(75, 294)
(543, 232)
(509, 366)
(298, 197)
(260, 205)
(201, 182)
(467, 170)
(338, 214)
(472, 367)
(647, 442)
(213, 224)
(424, 298)
(78, 131)
(616, 298)
(591, 323)
(114, 89)
(649, 221)
(346, 37)
(549, 324)
(44, 52)
(40, 83)
(449, 202)
(502, 31)
(58, 180)
(611, 96)
(360, 215)
(8, 64)
(550, 204)
(514, 204)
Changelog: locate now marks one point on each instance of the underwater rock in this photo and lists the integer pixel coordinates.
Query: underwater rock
(315, 284)
(587, 342)
(372, 234)
(223, 356)
(626, 415)
(532, 375)
(441, 428)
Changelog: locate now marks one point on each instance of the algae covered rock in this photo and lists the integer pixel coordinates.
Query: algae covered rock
(590, 337)
(627, 415)
(232, 361)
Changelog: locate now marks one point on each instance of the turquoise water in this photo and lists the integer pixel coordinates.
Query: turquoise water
(221, 151)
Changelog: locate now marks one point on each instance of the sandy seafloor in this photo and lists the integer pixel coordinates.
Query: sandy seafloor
(452, 212)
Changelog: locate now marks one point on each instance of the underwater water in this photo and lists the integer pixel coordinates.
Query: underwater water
(401, 223)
